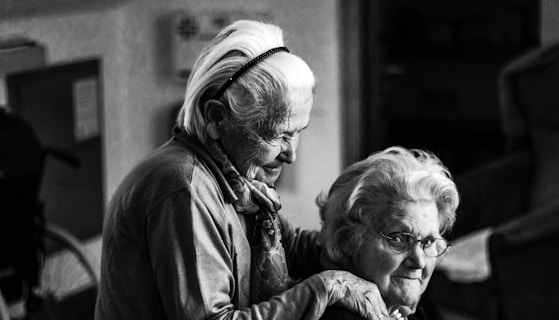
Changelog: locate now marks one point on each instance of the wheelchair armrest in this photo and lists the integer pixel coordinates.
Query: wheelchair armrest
(533, 228)
(493, 193)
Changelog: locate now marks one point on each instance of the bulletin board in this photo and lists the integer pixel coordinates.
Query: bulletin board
(63, 104)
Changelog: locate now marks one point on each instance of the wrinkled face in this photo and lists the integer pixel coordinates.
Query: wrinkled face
(401, 277)
(262, 159)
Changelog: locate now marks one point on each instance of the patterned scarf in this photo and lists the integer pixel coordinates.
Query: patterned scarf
(269, 274)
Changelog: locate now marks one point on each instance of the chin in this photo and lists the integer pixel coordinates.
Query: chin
(404, 299)
(270, 181)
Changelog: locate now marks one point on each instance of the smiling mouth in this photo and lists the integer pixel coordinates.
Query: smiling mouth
(272, 170)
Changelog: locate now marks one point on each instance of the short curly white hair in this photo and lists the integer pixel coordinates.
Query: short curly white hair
(369, 191)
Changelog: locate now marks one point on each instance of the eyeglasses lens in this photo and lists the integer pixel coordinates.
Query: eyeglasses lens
(403, 242)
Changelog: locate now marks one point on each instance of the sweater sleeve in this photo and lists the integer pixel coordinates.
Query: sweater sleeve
(194, 267)
(302, 248)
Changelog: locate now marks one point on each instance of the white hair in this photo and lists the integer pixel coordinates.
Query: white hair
(375, 188)
(255, 99)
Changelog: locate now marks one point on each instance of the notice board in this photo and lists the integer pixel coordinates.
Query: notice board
(63, 104)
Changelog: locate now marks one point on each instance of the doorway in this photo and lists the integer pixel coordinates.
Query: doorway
(424, 74)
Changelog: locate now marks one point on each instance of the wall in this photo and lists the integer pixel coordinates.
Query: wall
(550, 21)
(133, 40)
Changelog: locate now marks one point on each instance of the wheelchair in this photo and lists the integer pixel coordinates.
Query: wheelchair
(35, 254)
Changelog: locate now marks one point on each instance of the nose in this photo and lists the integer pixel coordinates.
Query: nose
(289, 150)
(416, 256)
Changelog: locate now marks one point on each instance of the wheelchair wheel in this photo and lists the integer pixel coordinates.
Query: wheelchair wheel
(67, 272)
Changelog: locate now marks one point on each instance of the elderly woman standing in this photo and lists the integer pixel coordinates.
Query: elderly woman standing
(193, 232)
(384, 219)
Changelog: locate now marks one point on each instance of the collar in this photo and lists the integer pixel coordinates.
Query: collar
(195, 145)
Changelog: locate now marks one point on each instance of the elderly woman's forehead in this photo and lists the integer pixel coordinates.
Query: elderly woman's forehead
(403, 209)
(295, 103)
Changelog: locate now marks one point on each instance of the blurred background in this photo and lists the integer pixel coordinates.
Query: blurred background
(103, 79)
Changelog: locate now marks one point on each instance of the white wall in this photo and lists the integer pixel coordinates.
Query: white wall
(133, 41)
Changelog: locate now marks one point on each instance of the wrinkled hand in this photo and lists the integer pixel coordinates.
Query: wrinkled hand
(467, 260)
(355, 294)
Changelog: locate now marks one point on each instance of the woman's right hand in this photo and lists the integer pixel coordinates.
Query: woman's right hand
(355, 294)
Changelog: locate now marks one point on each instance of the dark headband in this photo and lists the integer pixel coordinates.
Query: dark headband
(247, 66)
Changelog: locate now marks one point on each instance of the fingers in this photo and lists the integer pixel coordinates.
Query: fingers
(366, 298)
(356, 294)
(374, 305)
(396, 315)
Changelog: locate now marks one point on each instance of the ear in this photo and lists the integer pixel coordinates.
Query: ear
(214, 113)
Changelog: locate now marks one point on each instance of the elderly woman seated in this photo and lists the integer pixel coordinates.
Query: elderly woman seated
(384, 219)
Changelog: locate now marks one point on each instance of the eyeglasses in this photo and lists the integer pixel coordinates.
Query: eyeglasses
(402, 242)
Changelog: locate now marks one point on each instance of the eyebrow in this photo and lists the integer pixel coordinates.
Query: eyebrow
(304, 128)
(293, 131)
